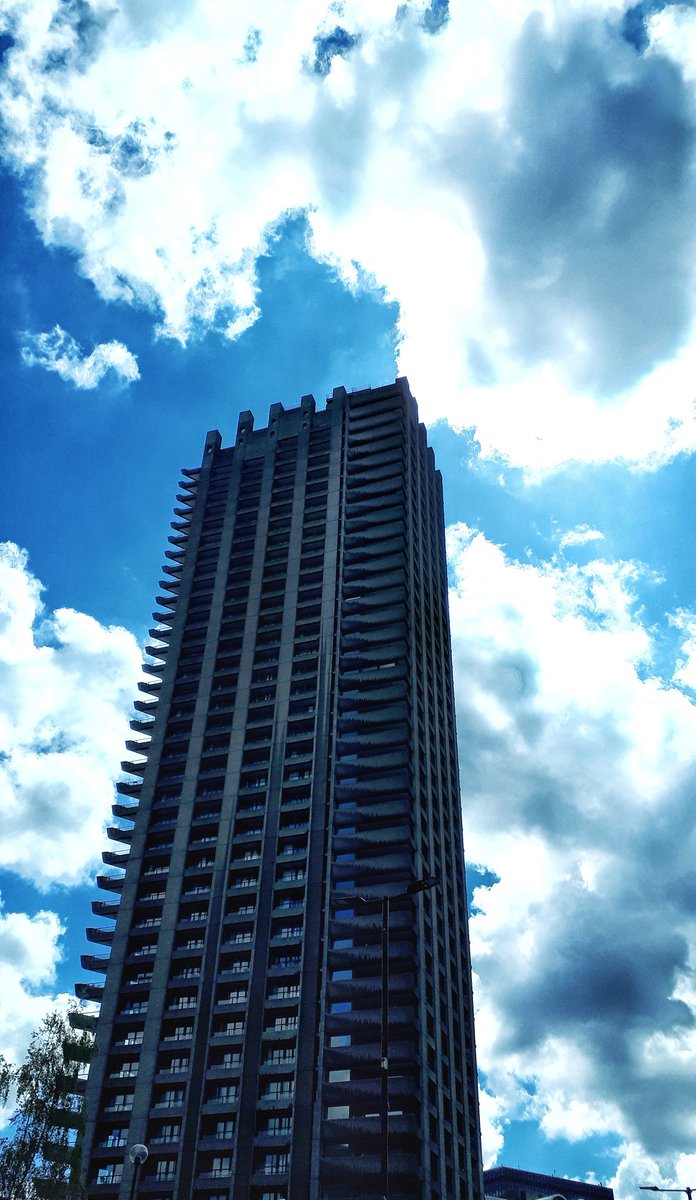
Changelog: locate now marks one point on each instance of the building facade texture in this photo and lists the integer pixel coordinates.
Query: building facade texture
(295, 750)
(511, 1183)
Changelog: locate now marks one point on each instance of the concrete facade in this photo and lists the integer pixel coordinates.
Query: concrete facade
(295, 748)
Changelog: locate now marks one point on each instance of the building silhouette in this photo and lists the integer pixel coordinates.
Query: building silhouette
(295, 762)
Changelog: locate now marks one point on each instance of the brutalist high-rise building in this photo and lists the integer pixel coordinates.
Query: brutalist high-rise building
(300, 766)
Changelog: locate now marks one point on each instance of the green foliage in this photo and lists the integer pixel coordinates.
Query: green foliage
(40, 1157)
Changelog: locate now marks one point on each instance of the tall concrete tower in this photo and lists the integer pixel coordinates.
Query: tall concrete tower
(276, 961)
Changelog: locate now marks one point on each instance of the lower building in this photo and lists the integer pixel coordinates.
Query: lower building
(510, 1183)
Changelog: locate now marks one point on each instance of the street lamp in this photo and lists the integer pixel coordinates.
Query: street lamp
(413, 889)
(652, 1187)
(138, 1155)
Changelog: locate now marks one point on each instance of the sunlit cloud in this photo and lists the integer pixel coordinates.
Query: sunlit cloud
(551, 311)
(580, 536)
(66, 683)
(578, 782)
(30, 949)
(57, 351)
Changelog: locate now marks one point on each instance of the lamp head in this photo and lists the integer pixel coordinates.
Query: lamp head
(422, 885)
(138, 1154)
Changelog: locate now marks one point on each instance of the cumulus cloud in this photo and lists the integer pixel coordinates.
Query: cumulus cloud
(57, 351)
(521, 185)
(29, 953)
(578, 778)
(66, 683)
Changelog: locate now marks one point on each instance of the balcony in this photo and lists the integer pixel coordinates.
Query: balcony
(140, 726)
(115, 834)
(364, 656)
(366, 766)
(395, 784)
(370, 956)
(383, 840)
(402, 1088)
(151, 688)
(110, 883)
(85, 1022)
(366, 1056)
(360, 814)
(367, 722)
(89, 991)
(401, 1166)
(103, 937)
(402, 1018)
(386, 686)
(115, 858)
(128, 789)
(401, 984)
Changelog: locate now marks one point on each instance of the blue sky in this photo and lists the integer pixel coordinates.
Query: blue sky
(203, 212)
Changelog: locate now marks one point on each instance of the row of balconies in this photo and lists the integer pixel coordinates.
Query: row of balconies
(367, 480)
(388, 448)
(361, 552)
(395, 782)
(388, 418)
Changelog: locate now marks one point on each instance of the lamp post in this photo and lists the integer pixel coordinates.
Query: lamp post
(413, 889)
(652, 1187)
(138, 1155)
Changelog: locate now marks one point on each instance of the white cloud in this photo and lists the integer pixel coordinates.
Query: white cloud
(66, 683)
(580, 536)
(29, 953)
(58, 351)
(550, 309)
(685, 670)
(578, 780)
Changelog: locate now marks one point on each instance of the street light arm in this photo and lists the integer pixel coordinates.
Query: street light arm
(652, 1187)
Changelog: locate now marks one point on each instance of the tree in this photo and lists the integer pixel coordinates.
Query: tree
(41, 1154)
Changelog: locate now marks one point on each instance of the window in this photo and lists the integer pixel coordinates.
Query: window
(281, 1055)
(224, 1129)
(182, 1031)
(279, 1125)
(275, 1164)
(109, 1173)
(285, 992)
(279, 1087)
(285, 1023)
(126, 1070)
(222, 1165)
(168, 1133)
(115, 1137)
